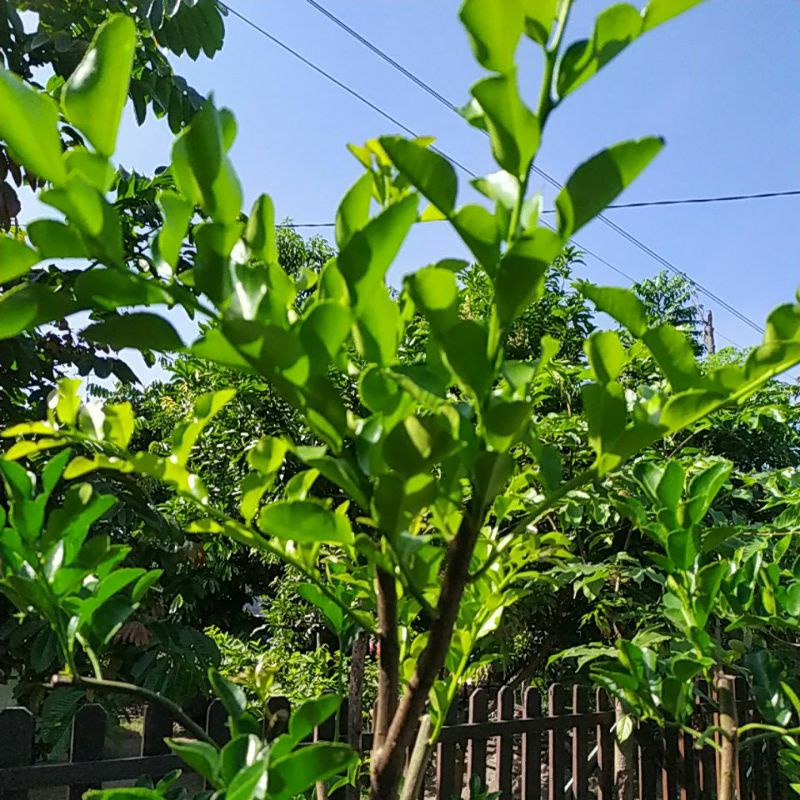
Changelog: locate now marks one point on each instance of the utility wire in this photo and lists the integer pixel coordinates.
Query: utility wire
(275, 40)
(549, 178)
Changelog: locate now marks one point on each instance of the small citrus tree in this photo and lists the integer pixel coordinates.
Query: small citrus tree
(438, 534)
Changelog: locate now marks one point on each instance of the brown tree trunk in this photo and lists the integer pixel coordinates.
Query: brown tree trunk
(623, 760)
(388, 658)
(729, 744)
(386, 768)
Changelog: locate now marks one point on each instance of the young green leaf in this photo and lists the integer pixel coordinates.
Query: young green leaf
(16, 259)
(620, 304)
(513, 128)
(598, 181)
(428, 171)
(304, 522)
(29, 126)
(494, 30)
(95, 94)
(140, 330)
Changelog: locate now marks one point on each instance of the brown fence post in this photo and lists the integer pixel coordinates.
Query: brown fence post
(648, 760)
(624, 767)
(605, 749)
(88, 742)
(476, 747)
(557, 740)
(156, 727)
(16, 745)
(671, 765)
(532, 749)
(580, 745)
(446, 761)
(708, 756)
(505, 743)
(217, 723)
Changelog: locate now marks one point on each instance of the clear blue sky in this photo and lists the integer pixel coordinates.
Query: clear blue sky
(721, 84)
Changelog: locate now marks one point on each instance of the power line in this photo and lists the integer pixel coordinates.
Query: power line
(539, 171)
(725, 198)
(377, 109)
(275, 40)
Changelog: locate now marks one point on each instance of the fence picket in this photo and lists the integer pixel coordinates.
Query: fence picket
(605, 749)
(580, 745)
(557, 740)
(664, 758)
(505, 744)
(446, 757)
(648, 761)
(217, 723)
(16, 745)
(670, 770)
(532, 749)
(157, 726)
(476, 747)
(88, 742)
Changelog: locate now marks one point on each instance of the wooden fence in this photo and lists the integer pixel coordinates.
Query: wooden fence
(527, 746)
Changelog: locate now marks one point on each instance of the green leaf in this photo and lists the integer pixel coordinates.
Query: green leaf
(494, 30)
(704, 487)
(206, 407)
(539, 18)
(353, 212)
(95, 94)
(606, 355)
(480, 233)
(673, 353)
(363, 262)
(260, 231)
(466, 347)
(658, 12)
(110, 289)
(56, 240)
(140, 330)
(683, 547)
(96, 219)
(428, 171)
(513, 128)
(231, 695)
(250, 783)
(267, 455)
(29, 126)
(201, 757)
(300, 770)
(435, 293)
(304, 522)
(620, 304)
(598, 181)
(176, 214)
(31, 304)
(304, 720)
(94, 168)
(520, 275)
(201, 169)
(615, 28)
(16, 259)
(332, 614)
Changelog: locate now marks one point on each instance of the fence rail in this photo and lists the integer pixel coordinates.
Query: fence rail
(556, 745)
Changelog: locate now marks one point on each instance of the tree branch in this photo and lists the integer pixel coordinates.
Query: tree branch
(388, 656)
(388, 759)
(104, 685)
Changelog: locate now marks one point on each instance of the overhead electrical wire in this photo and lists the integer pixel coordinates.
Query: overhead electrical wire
(386, 115)
(549, 178)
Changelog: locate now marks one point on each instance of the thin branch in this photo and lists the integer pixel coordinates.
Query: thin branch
(104, 685)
